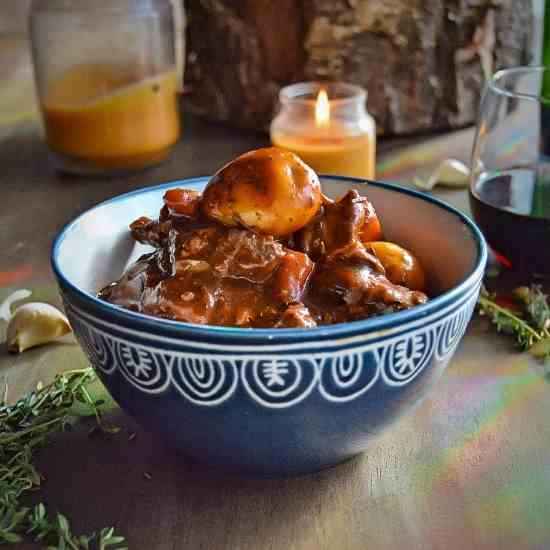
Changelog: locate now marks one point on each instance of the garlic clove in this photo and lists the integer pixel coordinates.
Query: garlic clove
(34, 324)
(421, 184)
(450, 173)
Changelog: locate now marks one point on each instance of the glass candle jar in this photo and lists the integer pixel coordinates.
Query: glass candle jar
(328, 127)
(107, 82)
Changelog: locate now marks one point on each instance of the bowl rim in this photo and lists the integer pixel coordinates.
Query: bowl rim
(273, 335)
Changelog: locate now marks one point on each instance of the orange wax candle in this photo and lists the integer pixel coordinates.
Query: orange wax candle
(333, 136)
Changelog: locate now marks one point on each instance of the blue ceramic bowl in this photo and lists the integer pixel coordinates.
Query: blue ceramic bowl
(271, 401)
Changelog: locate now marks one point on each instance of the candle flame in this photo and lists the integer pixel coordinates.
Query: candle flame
(322, 109)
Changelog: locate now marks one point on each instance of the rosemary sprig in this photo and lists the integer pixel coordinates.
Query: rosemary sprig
(530, 324)
(26, 427)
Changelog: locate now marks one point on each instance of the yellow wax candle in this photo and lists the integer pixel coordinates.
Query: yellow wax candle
(347, 156)
(332, 136)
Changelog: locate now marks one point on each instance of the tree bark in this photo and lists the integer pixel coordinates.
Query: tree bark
(423, 62)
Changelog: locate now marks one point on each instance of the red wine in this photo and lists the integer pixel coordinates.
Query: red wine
(512, 208)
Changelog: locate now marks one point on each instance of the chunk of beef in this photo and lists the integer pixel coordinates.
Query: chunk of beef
(289, 282)
(241, 254)
(355, 277)
(242, 304)
(183, 298)
(217, 276)
(151, 232)
(128, 291)
(296, 316)
(180, 211)
(198, 298)
(196, 244)
(337, 224)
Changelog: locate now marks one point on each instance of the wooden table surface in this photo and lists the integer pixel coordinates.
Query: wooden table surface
(469, 469)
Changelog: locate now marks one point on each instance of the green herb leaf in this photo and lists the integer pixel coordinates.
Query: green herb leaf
(25, 427)
(507, 321)
(530, 325)
(535, 304)
(7, 537)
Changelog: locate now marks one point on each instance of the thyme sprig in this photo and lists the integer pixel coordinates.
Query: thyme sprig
(27, 426)
(536, 307)
(529, 322)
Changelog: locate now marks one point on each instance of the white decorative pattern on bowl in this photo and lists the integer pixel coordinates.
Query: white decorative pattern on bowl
(205, 378)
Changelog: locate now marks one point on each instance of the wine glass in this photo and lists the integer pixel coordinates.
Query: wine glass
(510, 168)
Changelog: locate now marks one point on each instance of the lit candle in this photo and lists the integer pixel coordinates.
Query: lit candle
(328, 127)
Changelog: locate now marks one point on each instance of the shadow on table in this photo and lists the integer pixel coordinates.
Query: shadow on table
(158, 499)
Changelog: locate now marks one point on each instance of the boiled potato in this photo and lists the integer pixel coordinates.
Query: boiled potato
(402, 268)
(269, 191)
